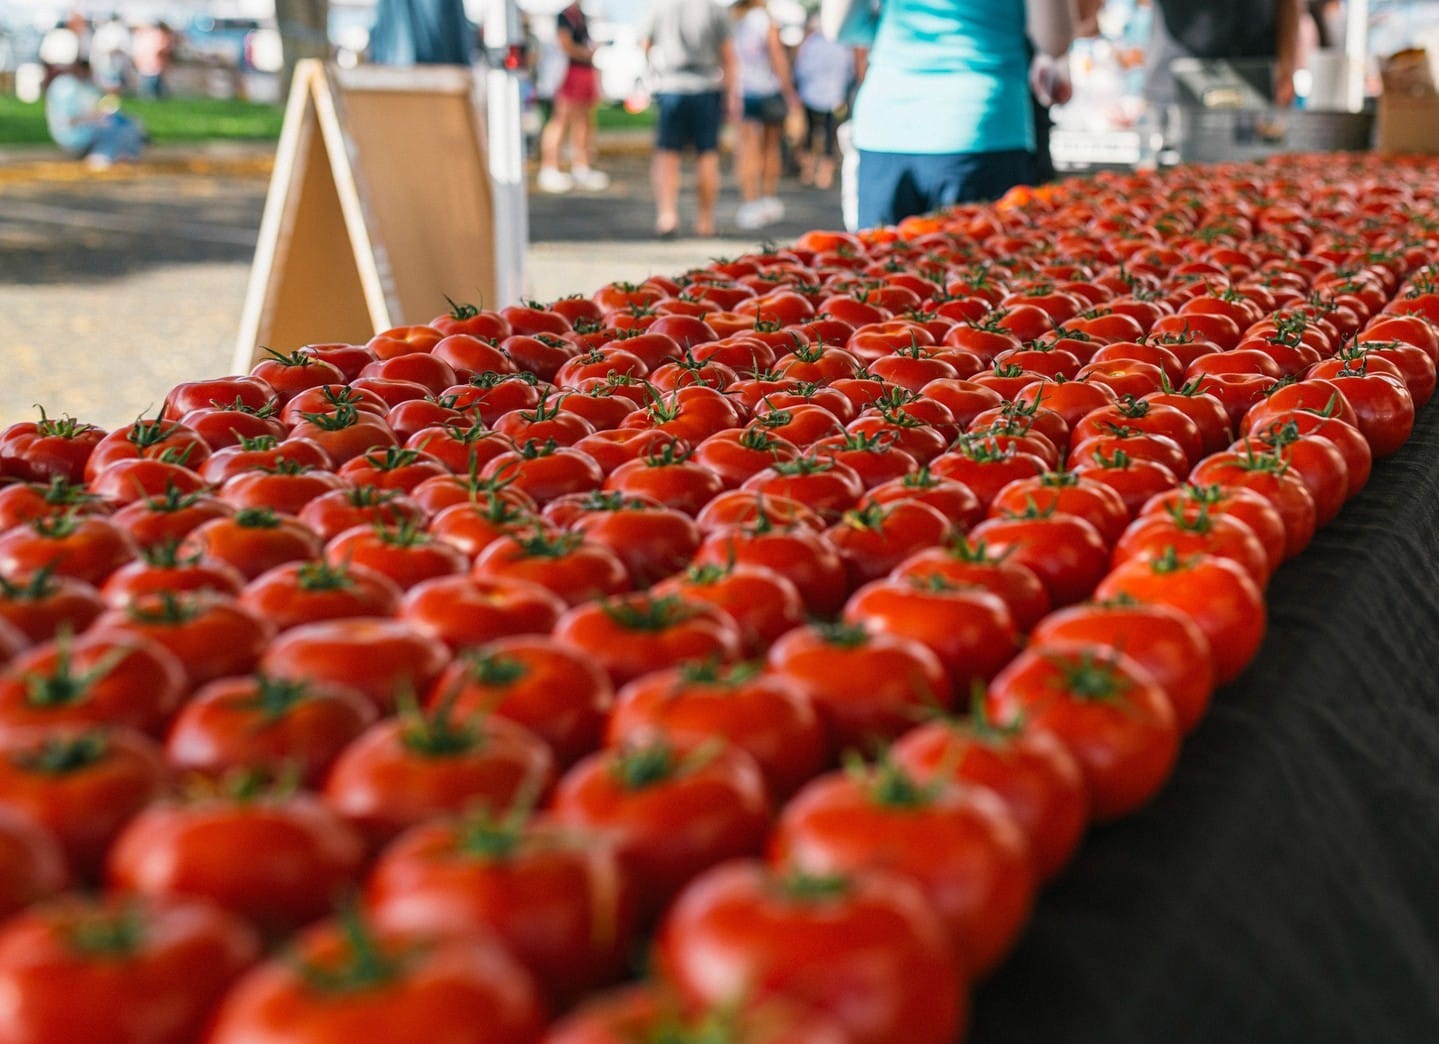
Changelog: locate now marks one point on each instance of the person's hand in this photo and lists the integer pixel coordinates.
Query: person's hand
(1049, 79)
(1284, 83)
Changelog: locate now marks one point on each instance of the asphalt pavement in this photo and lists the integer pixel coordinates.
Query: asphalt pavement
(116, 285)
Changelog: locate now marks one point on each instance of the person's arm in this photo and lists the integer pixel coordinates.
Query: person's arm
(1286, 56)
(779, 58)
(1051, 25)
(574, 51)
(1087, 17)
(729, 84)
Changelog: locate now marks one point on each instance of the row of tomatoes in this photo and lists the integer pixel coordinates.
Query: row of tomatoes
(532, 630)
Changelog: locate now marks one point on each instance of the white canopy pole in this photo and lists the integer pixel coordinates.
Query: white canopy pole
(1356, 52)
(504, 40)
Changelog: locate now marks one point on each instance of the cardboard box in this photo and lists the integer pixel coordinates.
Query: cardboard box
(1408, 124)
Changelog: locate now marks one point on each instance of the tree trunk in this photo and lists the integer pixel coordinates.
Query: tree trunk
(304, 33)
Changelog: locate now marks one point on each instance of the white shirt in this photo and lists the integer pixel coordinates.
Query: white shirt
(757, 77)
(823, 70)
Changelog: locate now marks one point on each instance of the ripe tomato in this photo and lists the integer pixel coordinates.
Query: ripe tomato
(279, 859)
(1031, 772)
(874, 539)
(1217, 594)
(307, 592)
(384, 659)
(675, 807)
(1064, 551)
(93, 679)
(630, 635)
(167, 519)
(253, 540)
(347, 981)
(48, 448)
(1115, 720)
(42, 604)
(82, 784)
(405, 553)
(744, 934)
(1193, 530)
(1270, 475)
(84, 547)
(122, 969)
(423, 764)
(768, 715)
(762, 603)
(267, 725)
(646, 1012)
(556, 897)
(958, 843)
(32, 863)
(573, 567)
(794, 550)
(552, 689)
(211, 635)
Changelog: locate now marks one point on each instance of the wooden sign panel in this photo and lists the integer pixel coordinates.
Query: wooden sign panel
(381, 204)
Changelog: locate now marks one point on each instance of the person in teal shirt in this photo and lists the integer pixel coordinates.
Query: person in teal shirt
(943, 115)
(86, 122)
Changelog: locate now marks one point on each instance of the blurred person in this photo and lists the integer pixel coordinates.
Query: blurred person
(86, 121)
(692, 64)
(1223, 29)
(110, 62)
(1050, 85)
(824, 72)
(763, 96)
(152, 48)
(575, 101)
(421, 32)
(943, 115)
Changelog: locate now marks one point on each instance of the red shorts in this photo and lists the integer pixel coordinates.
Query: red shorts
(581, 86)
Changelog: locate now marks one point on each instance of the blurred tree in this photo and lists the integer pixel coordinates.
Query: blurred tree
(304, 33)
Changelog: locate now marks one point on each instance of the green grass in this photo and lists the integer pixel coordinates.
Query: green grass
(617, 117)
(174, 120)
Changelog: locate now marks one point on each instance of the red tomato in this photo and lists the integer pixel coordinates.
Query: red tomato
(645, 1012)
(465, 611)
(1271, 476)
(421, 765)
(267, 725)
(122, 969)
(406, 553)
(762, 603)
(349, 982)
(384, 659)
(1215, 593)
(48, 449)
(770, 716)
(280, 860)
(573, 567)
(211, 635)
(42, 604)
(1114, 718)
(254, 540)
(1064, 551)
(958, 843)
(82, 784)
(1032, 773)
(630, 635)
(84, 547)
(32, 863)
(307, 592)
(675, 807)
(556, 897)
(874, 539)
(744, 934)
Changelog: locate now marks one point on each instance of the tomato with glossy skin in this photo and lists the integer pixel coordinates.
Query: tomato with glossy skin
(464, 611)
(649, 1013)
(32, 863)
(122, 969)
(84, 547)
(762, 603)
(737, 507)
(1114, 718)
(406, 553)
(254, 540)
(299, 593)
(1269, 475)
(1065, 551)
(1159, 638)
(1135, 479)
(867, 685)
(958, 843)
(546, 471)
(1192, 529)
(158, 439)
(768, 715)
(630, 635)
(347, 981)
(286, 489)
(278, 859)
(1065, 492)
(653, 542)
(262, 453)
(267, 725)
(1317, 460)
(210, 634)
(24, 502)
(169, 517)
(332, 513)
(49, 448)
(986, 466)
(41, 604)
(557, 897)
(83, 784)
(93, 679)
(1031, 772)
(968, 627)
(1382, 403)
(162, 568)
(290, 374)
(874, 539)
(674, 806)
(382, 658)
(744, 934)
(1215, 593)
(795, 551)
(575, 568)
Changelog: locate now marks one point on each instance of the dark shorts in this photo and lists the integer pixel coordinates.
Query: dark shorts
(897, 185)
(769, 109)
(686, 120)
(819, 131)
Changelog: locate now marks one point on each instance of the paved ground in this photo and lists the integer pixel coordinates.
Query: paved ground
(114, 287)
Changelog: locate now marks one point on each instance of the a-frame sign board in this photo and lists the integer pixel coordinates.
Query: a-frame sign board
(381, 204)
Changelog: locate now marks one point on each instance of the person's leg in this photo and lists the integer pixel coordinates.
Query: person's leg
(827, 151)
(707, 180)
(974, 177)
(670, 135)
(581, 147)
(748, 162)
(889, 188)
(551, 178)
(770, 158)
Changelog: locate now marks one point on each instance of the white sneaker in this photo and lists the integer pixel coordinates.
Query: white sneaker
(750, 216)
(589, 179)
(556, 181)
(772, 208)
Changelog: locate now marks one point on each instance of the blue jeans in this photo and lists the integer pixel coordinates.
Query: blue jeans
(117, 137)
(897, 185)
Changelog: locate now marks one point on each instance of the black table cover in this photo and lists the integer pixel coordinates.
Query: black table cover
(1285, 884)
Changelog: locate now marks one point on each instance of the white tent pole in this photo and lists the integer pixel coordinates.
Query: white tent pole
(504, 39)
(1356, 51)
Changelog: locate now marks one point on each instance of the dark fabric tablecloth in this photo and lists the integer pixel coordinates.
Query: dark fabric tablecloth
(1285, 884)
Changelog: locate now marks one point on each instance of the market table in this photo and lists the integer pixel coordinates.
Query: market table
(1282, 886)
